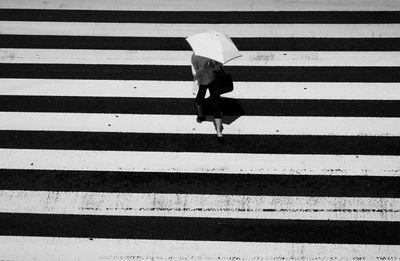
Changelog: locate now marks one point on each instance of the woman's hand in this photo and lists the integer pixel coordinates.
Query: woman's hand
(218, 67)
(208, 64)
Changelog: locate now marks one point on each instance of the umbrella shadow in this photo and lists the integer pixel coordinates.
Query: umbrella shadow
(231, 109)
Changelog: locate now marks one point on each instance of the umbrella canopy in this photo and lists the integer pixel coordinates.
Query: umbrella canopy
(214, 45)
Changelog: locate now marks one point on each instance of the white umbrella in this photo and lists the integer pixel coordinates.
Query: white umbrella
(214, 45)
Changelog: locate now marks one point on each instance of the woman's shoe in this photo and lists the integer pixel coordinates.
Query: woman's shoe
(221, 139)
(200, 119)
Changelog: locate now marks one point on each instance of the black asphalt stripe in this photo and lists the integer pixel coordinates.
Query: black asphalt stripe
(200, 183)
(279, 144)
(207, 17)
(209, 229)
(174, 44)
(185, 106)
(183, 73)
(317, 44)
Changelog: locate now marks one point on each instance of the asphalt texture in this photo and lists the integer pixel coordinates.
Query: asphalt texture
(210, 229)
(277, 144)
(179, 44)
(212, 17)
(200, 183)
(183, 73)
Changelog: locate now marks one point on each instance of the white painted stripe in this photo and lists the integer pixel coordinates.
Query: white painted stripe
(183, 89)
(185, 124)
(248, 58)
(208, 5)
(214, 163)
(185, 30)
(210, 206)
(52, 248)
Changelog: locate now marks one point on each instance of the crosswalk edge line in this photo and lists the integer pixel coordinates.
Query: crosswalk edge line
(185, 124)
(174, 162)
(51, 248)
(185, 30)
(210, 206)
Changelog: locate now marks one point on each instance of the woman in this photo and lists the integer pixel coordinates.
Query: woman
(204, 72)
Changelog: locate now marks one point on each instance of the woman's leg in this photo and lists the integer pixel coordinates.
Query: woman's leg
(200, 112)
(218, 126)
(217, 112)
(199, 102)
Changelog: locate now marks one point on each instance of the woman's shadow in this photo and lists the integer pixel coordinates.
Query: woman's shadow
(231, 109)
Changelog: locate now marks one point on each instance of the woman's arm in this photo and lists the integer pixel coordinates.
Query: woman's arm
(199, 68)
(216, 66)
(197, 73)
(195, 67)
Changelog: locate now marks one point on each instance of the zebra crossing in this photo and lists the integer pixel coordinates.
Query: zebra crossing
(101, 157)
